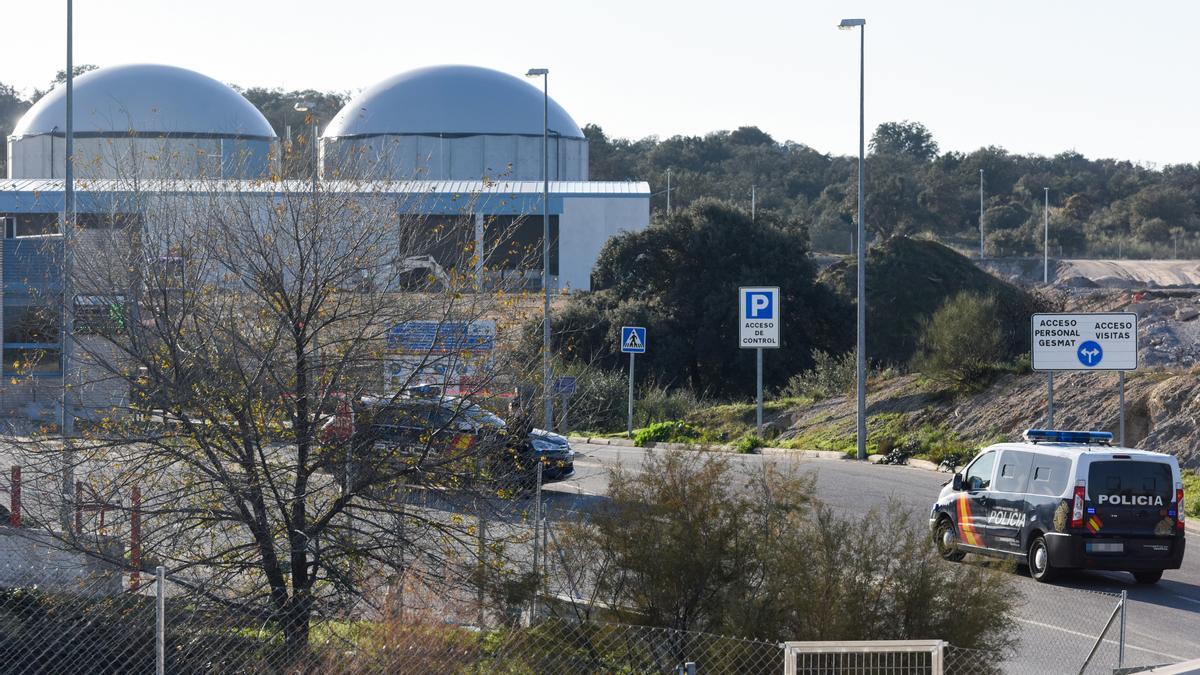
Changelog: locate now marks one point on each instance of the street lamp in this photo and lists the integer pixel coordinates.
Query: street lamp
(307, 106)
(861, 369)
(1046, 239)
(547, 402)
(981, 214)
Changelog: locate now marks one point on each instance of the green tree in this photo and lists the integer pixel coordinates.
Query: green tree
(905, 139)
(680, 276)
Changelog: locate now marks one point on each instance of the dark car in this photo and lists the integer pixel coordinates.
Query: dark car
(442, 432)
(1065, 500)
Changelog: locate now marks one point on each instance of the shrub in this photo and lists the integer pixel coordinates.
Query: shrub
(962, 343)
(748, 443)
(599, 401)
(659, 404)
(831, 375)
(674, 431)
(689, 543)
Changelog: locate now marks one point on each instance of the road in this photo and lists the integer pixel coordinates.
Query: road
(1059, 622)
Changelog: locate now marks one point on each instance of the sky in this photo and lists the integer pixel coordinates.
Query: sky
(1103, 78)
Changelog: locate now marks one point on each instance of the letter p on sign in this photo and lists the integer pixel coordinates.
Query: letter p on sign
(758, 306)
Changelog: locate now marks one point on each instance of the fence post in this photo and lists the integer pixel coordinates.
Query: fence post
(14, 514)
(78, 507)
(1121, 643)
(160, 624)
(135, 539)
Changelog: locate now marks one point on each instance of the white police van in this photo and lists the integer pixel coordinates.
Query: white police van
(1065, 500)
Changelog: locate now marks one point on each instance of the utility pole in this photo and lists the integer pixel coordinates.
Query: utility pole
(981, 214)
(753, 202)
(668, 191)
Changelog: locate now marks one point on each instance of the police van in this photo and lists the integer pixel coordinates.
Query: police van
(1065, 500)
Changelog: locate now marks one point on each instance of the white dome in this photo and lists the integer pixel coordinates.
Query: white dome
(451, 100)
(147, 99)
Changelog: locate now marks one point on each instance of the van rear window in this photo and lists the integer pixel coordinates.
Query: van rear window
(1130, 483)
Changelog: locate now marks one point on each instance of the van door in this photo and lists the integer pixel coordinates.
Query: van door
(1129, 498)
(973, 504)
(1007, 514)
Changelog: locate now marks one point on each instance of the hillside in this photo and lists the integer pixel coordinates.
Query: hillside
(1162, 397)
(908, 280)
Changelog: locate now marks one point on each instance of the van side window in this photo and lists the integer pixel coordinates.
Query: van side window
(1049, 476)
(979, 474)
(1014, 471)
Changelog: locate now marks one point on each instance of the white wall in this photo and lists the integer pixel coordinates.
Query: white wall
(453, 158)
(585, 224)
(43, 156)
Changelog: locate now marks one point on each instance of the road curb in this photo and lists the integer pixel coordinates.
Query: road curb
(720, 447)
(1191, 526)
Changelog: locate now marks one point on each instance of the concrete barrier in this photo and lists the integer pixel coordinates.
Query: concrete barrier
(31, 558)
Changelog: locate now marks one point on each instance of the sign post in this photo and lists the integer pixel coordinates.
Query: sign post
(633, 342)
(758, 329)
(1103, 341)
(564, 386)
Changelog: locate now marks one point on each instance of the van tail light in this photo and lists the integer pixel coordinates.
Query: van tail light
(1179, 507)
(1077, 506)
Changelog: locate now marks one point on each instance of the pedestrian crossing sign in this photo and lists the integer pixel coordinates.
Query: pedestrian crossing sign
(633, 339)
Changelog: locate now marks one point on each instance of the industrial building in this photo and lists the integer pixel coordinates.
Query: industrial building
(456, 145)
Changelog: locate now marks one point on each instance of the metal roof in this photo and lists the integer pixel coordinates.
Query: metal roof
(453, 100)
(43, 195)
(143, 98)
(182, 186)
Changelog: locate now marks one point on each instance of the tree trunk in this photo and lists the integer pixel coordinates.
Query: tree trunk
(296, 615)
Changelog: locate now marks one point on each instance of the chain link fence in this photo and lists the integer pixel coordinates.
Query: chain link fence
(65, 611)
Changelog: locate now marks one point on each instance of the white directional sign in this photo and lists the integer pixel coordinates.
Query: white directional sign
(1085, 341)
(758, 317)
(633, 339)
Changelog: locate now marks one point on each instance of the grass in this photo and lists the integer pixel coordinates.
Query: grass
(730, 421)
(1191, 493)
(885, 432)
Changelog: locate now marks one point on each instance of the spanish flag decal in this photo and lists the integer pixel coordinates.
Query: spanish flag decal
(966, 530)
(1093, 524)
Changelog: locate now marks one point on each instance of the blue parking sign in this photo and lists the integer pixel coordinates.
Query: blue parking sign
(758, 307)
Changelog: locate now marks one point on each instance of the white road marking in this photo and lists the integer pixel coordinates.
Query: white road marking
(1184, 597)
(1093, 638)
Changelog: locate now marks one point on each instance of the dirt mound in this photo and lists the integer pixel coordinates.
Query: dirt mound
(909, 279)
(1162, 410)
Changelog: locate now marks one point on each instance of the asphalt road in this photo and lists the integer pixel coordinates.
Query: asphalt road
(1059, 622)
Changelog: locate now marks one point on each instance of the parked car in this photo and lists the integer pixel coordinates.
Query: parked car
(436, 431)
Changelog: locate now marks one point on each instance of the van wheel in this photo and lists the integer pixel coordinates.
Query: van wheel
(1039, 562)
(946, 540)
(1147, 576)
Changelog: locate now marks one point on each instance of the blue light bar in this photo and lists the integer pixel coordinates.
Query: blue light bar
(1060, 436)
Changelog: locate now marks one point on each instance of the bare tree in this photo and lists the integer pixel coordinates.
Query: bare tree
(228, 337)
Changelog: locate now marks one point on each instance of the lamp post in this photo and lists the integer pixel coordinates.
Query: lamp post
(306, 106)
(981, 214)
(1046, 239)
(547, 401)
(67, 416)
(861, 367)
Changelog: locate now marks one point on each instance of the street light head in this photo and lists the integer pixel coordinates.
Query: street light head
(847, 24)
(537, 72)
(303, 106)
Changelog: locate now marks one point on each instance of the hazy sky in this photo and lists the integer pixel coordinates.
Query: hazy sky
(1104, 78)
